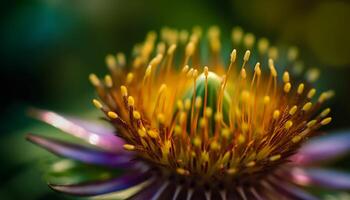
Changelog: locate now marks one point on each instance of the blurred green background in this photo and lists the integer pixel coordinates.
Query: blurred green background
(48, 48)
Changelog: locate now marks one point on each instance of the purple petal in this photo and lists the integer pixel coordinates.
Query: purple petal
(81, 153)
(323, 148)
(291, 191)
(322, 178)
(92, 133)
(102, 187)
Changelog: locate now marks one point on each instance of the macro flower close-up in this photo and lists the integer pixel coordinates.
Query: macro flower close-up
(186, 126)
(185, 100)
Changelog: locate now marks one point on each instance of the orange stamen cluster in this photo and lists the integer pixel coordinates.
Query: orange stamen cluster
(255, 123)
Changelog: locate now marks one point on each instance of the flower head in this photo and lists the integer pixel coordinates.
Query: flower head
(198, 126)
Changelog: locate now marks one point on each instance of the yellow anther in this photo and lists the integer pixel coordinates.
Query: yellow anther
(162, 88)
(257, 69)
(202, 122)
(273, 53)
(129, 147)
(161, 118)
(292, 53)
(121, 58)
(293, 110)
(275, 157)
(208, 112)
(226, 133)
(129, 77)
(311, 93)
(286, 77)
(241, 139)
(325, 96)
(187, 104)
(288, 124)
(141, 132)
(182, 171)
(311, 123)
(296, 139)
(233, 55)
(185, 69)
(300, 88)
(215, 146)
(267, 100)
(195, 74)
(244, 127)
(263, 45)
(108, 81)
(131, 101)
(171, 49)
(276, 114)
(197, 142)
(312, 74)
(198, 102)
(190, 49)
(177, 130)
(94, 80)
(153, 134)
(325, 112)
(287, 87)
(136, 114)
(231, 171)
(97, 103)
(250, 164)
(112, 115)
(124, 90)
(180, 105)
(111, 62)
(246, 55)
(249, 40)
(205, 156)
(307, 106)
(326, 121)
(226, 157)
(218, 117)
(237, 34)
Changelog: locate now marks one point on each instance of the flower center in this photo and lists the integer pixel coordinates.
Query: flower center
(207, 124)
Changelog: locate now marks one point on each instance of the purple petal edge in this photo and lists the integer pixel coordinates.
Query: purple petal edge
(323, 148)
(81, 153)
(101, 187)
(91, 132)
(323, 178)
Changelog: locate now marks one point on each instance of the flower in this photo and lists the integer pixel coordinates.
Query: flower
(182, 130)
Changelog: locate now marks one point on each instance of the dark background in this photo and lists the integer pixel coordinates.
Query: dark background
(48, 48)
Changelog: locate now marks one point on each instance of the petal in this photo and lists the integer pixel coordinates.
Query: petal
(323, 148)
(81, 153)
(322, 178)
(290, 190)
(102, 187)
(92, 133)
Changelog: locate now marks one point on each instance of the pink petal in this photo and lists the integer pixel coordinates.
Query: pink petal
(323, 149)
(82, 153)
(92, 133)
(322, 178)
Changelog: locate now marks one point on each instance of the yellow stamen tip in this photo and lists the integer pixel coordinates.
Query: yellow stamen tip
(95, 81)
(129, 147)
(326, 121)
(153, 134)
(325, 112)
(276, 114)
(293, 110)
(311, 93)
(246, 56)
(300, 88)
(112, 115)
(286, 78)
(233, 55)
(97, 103)
(288, 124)
(124, 90)
(275, 157)
(131, 101)
(287, 87)
(136, 114)
(108, 81)
(307, 106)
